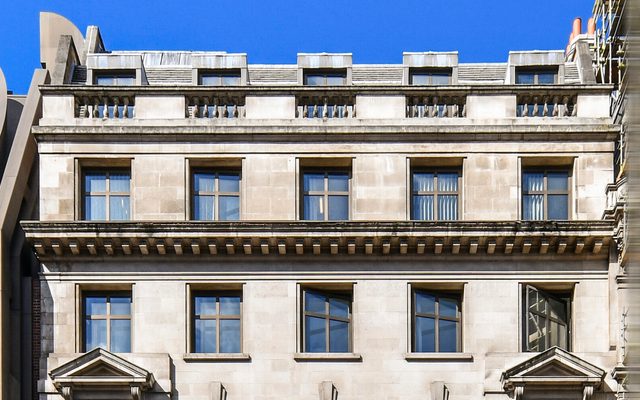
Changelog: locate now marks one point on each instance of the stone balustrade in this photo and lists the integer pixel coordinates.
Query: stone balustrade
(546, 105)
(325, 107)
(436, 106)
(105, 107)
(215, 107)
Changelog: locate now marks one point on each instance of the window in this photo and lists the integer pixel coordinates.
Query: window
(546, 319)
(545, 195)
(216, 195)
(436, 322)
(111, 78)
(107, 321)
(326, 321)
(430, 76)
(216, 323)
(536, 76)
(325, 195)
(219, 78)
(434, 195)
(106, 195)
(325, 78)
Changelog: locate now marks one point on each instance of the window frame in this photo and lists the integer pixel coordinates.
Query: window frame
(564, 296)
(116, 74)
(341, 294)
(107, 193)
(107, 317)
(192, 316)
(450, 295)
(537, 71)
(221, 74)
(435, 192)
(325, 193)
(545, 192)
(216, 193)
(324, 73)
(430, 72)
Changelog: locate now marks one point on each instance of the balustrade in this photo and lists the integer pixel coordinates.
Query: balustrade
(325, 107)
(436, 107)
(105, 107)
(215, 107)
(546, 106)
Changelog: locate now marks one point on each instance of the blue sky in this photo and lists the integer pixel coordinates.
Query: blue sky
(273, 31)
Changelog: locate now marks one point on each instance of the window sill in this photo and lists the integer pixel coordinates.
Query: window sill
(216, 357)
(438, 356)
(327, 357)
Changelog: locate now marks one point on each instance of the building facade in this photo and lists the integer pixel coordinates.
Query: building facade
(209, 228)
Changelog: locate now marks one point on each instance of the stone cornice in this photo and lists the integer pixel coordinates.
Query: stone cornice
(315, 238)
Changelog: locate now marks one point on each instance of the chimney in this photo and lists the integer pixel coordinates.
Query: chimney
(577, 27)
(591, 26)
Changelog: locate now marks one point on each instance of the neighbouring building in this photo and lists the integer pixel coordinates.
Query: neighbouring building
(208, 228)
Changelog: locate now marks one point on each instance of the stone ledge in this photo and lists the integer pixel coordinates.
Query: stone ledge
(216, 357)
(438, 357)
(327, 357)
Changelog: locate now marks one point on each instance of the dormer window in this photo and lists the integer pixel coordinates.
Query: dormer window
(115, 78)
(536, 75)
(336, 77)
(219, 78)
(430, 76)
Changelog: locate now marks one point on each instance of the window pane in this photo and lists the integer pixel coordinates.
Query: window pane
(121, 335)
(95, 182)
(229, 305)
(339, 307)
(335, 80)
(448, 336)
(425, 303)
(525, 78)
(536, 332)
(338, 182)
(313, 183)
(119, 182)
(315, 335)
(203, 208)
(425, 335)
(205, 305)
(557, 309)
(537, 302)
(440, 79)
(423, 182)
(205, 336)
(210, 80)
(447, 182)
(229, 336)
(95, 334)
(95, 209)
(120, 305)
(422, 208)
(203, 182)
(229, 208)
(119, 208)
(532, 207)
(126, 80)
(533, 182)
(557, 335)
(94, 305)
(447, 207)
(448, 307)
(314, 80)
(313, 208)
(230, 80)
(545, 78)
(557, 181)
(558, 206)
(338, 208)
(338, 336)
(419, 79)
(105, 80)
(315, 302)
(229, 183)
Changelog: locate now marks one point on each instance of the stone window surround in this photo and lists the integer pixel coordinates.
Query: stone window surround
(311, 163)
(560, 162)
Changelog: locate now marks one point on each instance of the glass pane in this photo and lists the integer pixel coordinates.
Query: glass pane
(557, 309)
(313, 183)
(203, 208)
(533, 182)
(339, 307)
(546, 78)
(119, 208)
(229, 305)
(105, 80)
(557, 181)
(447, 182)
(422, 182)
(127, 80)
(229, 208)
(205, 305)
(440, 79)
(314, 80)
(525, 78)
(425, 335)
(558, 207)
(95, 182)
(230, 80)
(338, 208)
(121, 335)
(448, 336)
(422, 208)
(119, 182)
(338, 336)
(95, 334)
(448, 307)
(447, 207)
(338, 182)
(315, 335)
(210, 80)
(205, 336)
(230, 336)
(532, 207)
(333, 80)
(535, 332)
(537, 302)
(315, 302)
(229, 183)
(203, 182)
(419, 79)
(120, 305)
(94, 208)
(94, 305)
(313, 208)
(557, 335)
(425, 303)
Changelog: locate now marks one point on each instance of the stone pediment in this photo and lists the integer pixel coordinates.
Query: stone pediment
(100, 369)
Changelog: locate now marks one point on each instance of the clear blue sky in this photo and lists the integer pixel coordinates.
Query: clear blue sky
(273, 31)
